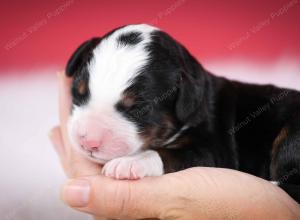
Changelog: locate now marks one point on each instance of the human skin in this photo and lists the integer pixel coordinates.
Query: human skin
(196, 193)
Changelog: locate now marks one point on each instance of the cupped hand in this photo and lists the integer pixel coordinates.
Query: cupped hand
(197, 193)
(73, 163)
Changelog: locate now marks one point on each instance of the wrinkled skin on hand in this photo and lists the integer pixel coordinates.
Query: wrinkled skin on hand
(196, 193)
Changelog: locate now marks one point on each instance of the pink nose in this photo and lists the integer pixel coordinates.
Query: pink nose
(90, 145)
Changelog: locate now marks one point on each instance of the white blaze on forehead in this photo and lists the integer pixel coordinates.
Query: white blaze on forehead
(114, 65)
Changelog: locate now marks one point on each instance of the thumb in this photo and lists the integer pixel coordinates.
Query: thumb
(103, 196)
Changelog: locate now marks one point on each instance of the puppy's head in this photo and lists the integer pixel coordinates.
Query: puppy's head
(133, 88)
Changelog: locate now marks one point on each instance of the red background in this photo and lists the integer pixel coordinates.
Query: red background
(207, 28)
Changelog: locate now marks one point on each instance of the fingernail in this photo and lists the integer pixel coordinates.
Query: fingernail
(76, 193)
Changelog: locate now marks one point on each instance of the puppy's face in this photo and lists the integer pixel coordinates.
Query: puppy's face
(125, 92)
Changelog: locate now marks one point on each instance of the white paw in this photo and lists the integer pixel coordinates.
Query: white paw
(146, 163)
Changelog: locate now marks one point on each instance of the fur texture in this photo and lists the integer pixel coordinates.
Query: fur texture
(136, 90)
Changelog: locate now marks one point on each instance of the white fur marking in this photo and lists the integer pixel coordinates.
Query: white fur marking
(275, 183)
(146, 163)
(111, 71)
(175, 136)
(112, 67)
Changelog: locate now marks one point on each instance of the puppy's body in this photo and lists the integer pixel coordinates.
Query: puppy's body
(246, 125)
(144, 106)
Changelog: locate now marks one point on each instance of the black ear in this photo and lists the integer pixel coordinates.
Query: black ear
(193, 91)
(81, 56)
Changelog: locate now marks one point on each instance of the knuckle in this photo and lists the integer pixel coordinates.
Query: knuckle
(125, 202)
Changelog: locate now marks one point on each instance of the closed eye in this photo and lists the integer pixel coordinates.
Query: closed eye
(82, 87)
(80, 92)
(127, 101)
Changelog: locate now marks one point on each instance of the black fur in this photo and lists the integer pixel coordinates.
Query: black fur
(130, 39)
(231, 124)
(77, 68)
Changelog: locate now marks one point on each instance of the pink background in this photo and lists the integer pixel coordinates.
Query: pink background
(207, 28)
(234, 38)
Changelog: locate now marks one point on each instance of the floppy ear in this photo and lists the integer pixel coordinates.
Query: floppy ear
(81, 56)
(193, 92)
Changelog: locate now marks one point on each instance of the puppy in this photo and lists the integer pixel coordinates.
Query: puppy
(144, 106)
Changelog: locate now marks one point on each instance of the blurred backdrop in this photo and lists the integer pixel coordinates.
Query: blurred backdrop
(36, 34)
(253, 41)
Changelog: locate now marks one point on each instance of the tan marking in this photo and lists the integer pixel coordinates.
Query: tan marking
(128, 100)
(154, 136)
(279, 139)
(82, 87)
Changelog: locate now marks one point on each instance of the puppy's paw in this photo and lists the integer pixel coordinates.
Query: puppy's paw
(146, 163)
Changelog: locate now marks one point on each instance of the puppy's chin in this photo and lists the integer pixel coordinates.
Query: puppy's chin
(103, 157)
(107, 153)
(96, 159)
(99, 157)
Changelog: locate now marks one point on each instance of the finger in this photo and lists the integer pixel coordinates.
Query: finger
(100, 218)
(80, 167)
(57, 142)
(74, 163)
(175, 196)
(102, 196)
(64, 85)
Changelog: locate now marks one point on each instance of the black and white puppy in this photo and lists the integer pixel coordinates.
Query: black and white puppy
(144, 106)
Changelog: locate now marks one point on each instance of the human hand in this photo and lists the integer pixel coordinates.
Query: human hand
(197, 193)
(73, 163)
